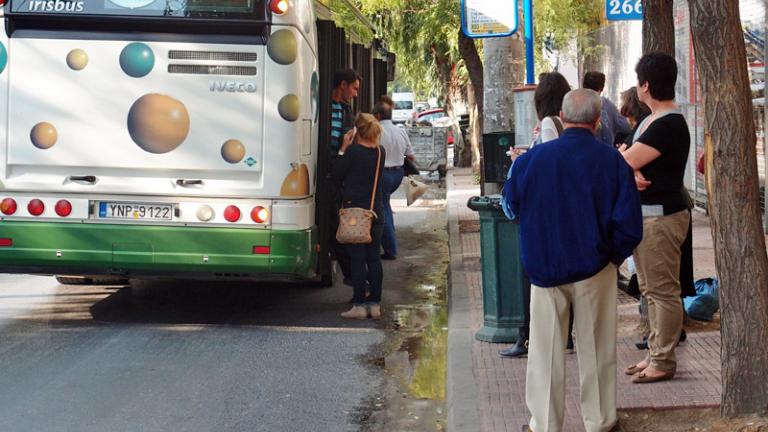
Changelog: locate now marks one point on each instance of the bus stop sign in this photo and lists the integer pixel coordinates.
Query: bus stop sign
(488, 18)
(622, 10)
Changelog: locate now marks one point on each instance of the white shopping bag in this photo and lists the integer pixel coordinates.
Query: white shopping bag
(414, 189)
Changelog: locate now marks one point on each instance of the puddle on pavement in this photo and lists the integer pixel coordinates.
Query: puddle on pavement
(420, 362)
(417, 358)
(414, 355)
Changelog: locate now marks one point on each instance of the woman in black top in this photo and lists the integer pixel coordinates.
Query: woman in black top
(635, 112)
(356, 170)
(659, 156)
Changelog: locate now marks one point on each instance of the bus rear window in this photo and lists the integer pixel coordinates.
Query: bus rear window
(191, 6)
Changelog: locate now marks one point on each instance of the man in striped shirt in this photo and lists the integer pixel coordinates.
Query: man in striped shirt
(346, 83)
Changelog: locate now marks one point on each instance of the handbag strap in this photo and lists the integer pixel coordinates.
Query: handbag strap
(376, 178)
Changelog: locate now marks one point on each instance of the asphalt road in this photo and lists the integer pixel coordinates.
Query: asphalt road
(180, 359)
(181, 356)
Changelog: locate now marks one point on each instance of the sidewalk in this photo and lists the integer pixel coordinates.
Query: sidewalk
(487, 393)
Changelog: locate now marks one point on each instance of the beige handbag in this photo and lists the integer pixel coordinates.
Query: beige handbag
(355, 223)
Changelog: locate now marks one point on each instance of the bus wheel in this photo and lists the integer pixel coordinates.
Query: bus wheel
(441, 171)
(73, 280)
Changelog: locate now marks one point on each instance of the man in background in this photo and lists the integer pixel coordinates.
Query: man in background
(395, 141)
(611, 122)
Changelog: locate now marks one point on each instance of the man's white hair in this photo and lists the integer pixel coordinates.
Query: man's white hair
(581, 106)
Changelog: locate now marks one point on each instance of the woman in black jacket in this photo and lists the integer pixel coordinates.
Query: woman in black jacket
(356, 170)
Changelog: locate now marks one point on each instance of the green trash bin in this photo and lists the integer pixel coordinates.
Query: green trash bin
(504, 280)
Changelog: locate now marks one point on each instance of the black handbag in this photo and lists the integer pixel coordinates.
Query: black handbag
(409, 168)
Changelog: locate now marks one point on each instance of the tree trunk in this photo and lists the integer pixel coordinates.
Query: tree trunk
(474, 66)
(475, 129)
(503, 68)
(658, 27)
(740, 254)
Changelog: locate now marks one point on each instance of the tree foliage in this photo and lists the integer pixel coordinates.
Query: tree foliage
(557, 23)
(422, 33)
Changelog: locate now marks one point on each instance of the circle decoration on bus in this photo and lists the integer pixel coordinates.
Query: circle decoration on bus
(158, 123)
(233, 151)
(44, 135)
(131, 4)
(314, 91)
(137, 59)
(282, 47)
(3, 57)
(77, 59)
(289, 107)
(296, 183)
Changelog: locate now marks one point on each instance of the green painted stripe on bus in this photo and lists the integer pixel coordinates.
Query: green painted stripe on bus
(158, 248)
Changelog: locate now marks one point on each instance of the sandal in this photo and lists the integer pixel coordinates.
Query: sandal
(634, 368)
(642, 377)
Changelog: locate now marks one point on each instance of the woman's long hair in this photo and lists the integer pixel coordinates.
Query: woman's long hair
(368, 127)
(549, 94)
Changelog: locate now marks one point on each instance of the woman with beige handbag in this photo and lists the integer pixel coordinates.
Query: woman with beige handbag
(360, 230)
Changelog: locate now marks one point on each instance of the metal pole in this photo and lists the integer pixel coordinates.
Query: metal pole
(528, 23)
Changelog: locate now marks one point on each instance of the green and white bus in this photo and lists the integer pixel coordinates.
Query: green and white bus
(160, 138)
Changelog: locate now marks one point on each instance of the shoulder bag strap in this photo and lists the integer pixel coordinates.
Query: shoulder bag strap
(376, 178)
(558, 125)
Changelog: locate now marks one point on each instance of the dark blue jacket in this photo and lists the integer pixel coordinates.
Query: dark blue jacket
(578, 206)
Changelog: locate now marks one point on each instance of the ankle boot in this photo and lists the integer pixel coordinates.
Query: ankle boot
(520, 348)
(376, 311)
(356, 312)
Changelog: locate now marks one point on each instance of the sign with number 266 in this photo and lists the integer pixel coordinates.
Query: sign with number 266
(619, 10)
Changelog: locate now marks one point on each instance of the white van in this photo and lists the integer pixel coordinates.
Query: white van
(403, 107)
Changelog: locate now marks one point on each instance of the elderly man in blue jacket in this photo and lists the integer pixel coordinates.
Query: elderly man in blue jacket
(580, 217)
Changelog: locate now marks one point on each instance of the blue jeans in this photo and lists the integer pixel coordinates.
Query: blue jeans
(366, 266)
(390, 181)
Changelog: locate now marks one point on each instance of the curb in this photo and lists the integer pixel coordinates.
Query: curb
(461, 389)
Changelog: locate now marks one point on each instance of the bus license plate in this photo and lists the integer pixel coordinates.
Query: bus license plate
(135, 211)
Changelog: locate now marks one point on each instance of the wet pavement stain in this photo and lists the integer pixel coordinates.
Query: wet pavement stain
(414, 354)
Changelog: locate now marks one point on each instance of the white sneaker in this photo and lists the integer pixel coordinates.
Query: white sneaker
(356, 312)
(376, 311)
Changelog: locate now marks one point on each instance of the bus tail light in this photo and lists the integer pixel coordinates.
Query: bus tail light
(261, 250)
(36, 207)
(259, 214)
(8, 206)
(232, 213)
(63, 208)
(6, 242)
(279, 7)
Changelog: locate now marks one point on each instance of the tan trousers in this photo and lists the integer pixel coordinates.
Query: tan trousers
(657, 258)
(595, 316)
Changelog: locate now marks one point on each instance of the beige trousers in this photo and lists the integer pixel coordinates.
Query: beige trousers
(595, 316)
(657, 259)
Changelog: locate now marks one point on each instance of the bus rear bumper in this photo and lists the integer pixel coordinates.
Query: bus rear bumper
(156, 251)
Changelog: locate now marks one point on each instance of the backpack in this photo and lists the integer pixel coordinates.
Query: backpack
(705, 303)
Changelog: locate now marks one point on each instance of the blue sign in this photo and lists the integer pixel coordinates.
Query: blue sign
(622, 10)
(488, 18)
